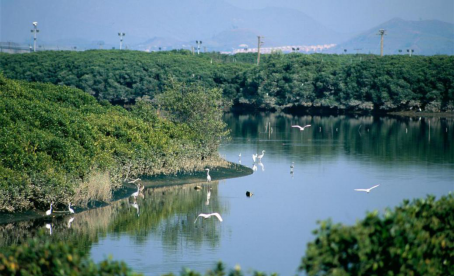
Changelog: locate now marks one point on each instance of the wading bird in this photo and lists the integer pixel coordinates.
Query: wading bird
(209, 215)
(48, 212)
(300, 127)
(261, 155)
(208, 175)
(367, 190)
(70, 209)
(254, 157)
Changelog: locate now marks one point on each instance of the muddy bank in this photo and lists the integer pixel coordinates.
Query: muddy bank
(150, 182)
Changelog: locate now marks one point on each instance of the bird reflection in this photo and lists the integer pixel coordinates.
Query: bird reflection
(254, 167)
(261, 165)
(239, 158)
(135, 206)
(208, 197)
(291, 167)
(49, 226)
(70, 221)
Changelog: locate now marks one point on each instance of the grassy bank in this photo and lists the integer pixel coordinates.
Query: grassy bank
(59, 144)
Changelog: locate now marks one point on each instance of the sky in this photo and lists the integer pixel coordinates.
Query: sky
(350, 16)
(342, 16)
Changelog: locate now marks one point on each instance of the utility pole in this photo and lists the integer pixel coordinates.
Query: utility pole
(34, 31)
(381, 32)
(258, 52)
(198, 45)
(121, 35)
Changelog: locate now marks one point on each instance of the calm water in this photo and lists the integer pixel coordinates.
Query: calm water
(268, 232)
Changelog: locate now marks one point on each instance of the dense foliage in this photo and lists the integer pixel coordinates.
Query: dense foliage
(292, 81)
(41, 256)
(415, 238)
(54, 138)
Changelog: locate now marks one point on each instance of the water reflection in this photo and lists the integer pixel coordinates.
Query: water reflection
(168, 212)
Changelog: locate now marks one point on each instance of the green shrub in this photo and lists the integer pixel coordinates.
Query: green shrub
(415, 238)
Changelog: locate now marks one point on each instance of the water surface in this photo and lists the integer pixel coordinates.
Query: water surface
(408, 157)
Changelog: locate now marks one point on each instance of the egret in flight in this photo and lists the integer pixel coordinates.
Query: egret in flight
(367, 190)
(209, 215)
(208, 175)
(300, 127)
(48, 212)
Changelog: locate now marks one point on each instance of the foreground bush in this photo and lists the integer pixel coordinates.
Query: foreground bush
(415, 238)
(39, 256)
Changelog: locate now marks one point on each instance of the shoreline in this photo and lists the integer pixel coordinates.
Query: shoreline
(150, 182)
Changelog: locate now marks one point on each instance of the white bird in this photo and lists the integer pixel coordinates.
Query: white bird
(261, 155)
(208, 175)
(136, 194)
(48, 212)
(134, 181)
(254, 157)
(209, 215)
(70, 209)
(367, 190)
(300, 127)
(70, 221)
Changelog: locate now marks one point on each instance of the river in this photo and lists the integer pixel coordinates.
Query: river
(408, 157)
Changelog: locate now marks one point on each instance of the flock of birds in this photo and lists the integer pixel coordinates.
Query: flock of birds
(257, 159)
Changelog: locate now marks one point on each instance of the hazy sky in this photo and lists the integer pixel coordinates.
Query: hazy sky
(344, 16)
(357, 15)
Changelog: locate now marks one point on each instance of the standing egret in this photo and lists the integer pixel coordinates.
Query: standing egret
(367, 190)
(49, 212)
(70, 209)
(209, 215)
(300, 127)
(208, 175)
(254, 157)
(261, 155)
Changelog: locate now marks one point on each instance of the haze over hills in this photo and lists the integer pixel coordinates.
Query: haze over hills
(425, 37)
(177, 24)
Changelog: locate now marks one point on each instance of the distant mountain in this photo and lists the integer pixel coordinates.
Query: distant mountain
(425, 37)
(217, 23)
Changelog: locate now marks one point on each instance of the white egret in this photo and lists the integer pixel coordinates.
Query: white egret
(49, 212)
(70, 209)
(134, 181)
(209, 215)
(249, 194)
(367, 190)
(70, 221)
(136, 194)
(300, 127)
(254, 157)
(261, 155)
(208, 175)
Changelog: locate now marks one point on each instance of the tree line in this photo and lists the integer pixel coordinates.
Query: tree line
(292, 82)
